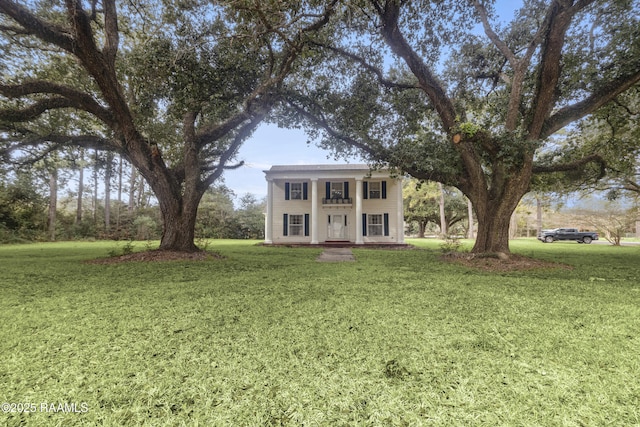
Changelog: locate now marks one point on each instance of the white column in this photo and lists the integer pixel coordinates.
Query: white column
(314, 211)
(400, 211)
(268, 223)
(359, 239)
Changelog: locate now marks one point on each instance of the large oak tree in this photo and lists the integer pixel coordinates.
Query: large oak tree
(175, 87)
(445, 91)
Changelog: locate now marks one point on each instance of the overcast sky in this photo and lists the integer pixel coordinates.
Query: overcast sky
(270, 146)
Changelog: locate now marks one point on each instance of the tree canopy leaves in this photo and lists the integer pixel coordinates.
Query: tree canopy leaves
(457, 95)
(175, 87)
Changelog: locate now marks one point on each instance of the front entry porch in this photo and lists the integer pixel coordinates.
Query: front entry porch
(337, 228)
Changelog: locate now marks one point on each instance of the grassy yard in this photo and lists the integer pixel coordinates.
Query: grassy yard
(268, 336)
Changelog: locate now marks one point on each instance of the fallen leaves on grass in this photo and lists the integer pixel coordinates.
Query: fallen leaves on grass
(500, 262)
(158, 256)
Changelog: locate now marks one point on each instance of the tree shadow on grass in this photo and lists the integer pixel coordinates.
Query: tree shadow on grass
(158, 256)
(501, 263)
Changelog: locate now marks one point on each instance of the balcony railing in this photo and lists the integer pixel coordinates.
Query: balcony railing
(334, 201)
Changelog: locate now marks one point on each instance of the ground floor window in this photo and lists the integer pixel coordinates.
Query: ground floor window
(375, 224)
(296, 225)
(374, 228)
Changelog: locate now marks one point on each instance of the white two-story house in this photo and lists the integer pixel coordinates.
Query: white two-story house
(316, 204)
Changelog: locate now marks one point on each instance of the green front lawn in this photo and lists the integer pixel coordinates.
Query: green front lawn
(269, 336)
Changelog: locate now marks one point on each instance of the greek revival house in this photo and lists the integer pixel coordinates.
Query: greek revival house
(333, 203)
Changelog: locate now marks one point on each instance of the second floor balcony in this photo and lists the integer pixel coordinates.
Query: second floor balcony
(337, 201)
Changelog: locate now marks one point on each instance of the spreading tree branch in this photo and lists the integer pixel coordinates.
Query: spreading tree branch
(570, 166)
(261, 98)
(75, 98)
(608, 92)
(320, 121)
(51, 143)
(242, 134)
(519, 65)
(31, 24)
(367, 66)
(390, 15)
(35, 110)
(557, 22)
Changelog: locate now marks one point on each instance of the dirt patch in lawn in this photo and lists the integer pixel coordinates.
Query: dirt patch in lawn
(501, 262)
(158, 256)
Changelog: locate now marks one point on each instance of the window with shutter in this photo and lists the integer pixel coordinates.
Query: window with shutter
(285, 225)
(375, 189)
(296, 190)
(296, 225)
(386, 224)
(306, 224)
(364, 224)
(375, 226)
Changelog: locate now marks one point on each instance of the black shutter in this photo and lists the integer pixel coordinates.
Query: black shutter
(384, 189)
(328, 190)
(287, 191)
(285, 227)
(346, 190)
(364, 224)
(305, 190)
(386, 224)
(365, 190)
(306, 224)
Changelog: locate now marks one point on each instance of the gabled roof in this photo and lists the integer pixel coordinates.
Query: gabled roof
(308, 168)
(323, 171)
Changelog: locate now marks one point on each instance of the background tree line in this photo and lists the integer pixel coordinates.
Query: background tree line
(96, 196)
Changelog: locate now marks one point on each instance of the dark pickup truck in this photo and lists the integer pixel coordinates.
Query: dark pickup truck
(550, 236)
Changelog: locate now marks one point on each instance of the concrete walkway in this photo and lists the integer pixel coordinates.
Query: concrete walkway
(336, 255)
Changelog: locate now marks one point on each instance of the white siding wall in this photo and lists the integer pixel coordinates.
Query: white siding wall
(290, 207)
(382, 206)
(389, 206)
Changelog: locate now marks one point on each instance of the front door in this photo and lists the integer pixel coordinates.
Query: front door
(337, 227)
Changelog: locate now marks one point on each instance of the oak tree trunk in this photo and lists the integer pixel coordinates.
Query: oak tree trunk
(443, 218)
(80, 188)
(132, 189)
(179, 209)
(107, 193)
(96, 166)
(422, 226)
(470, 233)
(120, 171)
(494, 209)
(53, 203)
(493, 232)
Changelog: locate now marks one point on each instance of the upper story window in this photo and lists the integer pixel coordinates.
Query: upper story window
(375, 189)
(337, 190)
(295, 190)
